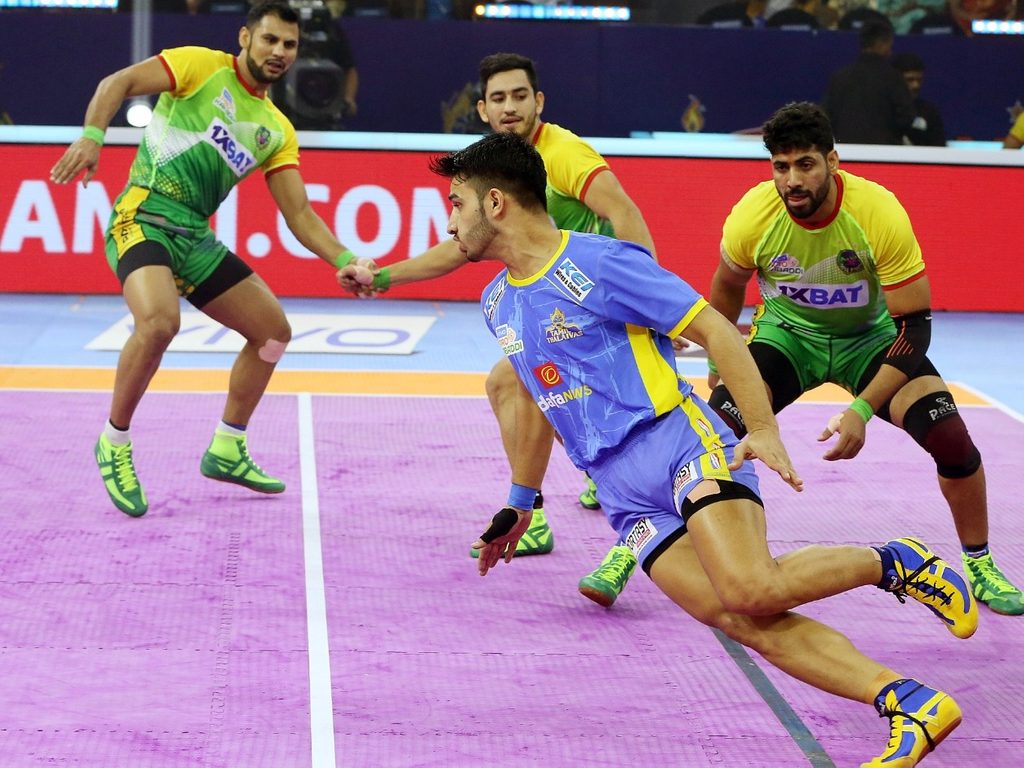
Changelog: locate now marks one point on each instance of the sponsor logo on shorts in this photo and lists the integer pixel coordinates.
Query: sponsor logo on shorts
(827, 296)
(566, 396)
(685, 474)
(510, 342)
(234, 154)
(784, 264)
(226, 104)
(491, 304)
(849, 261)
(573, 279)
(643, 533)
(561, 329)
(548, 375)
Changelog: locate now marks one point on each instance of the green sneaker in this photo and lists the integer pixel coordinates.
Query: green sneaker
(606, 583)
(118, 472)
(228, 459)
(588, 499)
(538, 539)
(991, 587)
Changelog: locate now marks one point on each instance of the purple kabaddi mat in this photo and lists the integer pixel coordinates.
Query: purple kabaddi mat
(180, 639)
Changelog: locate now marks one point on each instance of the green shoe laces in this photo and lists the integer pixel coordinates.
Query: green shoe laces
(984, 568)
(123, 469)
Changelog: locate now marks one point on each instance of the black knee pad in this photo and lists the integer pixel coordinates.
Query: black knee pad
(722, 401)
(936, 425)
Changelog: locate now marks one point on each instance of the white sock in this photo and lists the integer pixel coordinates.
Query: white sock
(226, 429)
(117, 436)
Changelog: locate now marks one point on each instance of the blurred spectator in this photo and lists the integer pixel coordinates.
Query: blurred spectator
(1015, 138)
(799, 15)
(735, 15)
(867, 101)
(340, 52)
(903, 13)
(927, 129)
(855, 18)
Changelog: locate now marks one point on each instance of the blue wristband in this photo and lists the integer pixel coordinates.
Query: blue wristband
(521, 497)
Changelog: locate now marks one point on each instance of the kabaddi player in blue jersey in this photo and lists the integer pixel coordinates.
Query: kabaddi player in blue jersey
(587, 322)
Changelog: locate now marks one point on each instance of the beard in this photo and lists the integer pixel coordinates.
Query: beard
(259, 74)
(481, 235)
(812, 203)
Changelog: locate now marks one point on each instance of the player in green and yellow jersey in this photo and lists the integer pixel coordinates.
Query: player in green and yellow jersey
(213, 126)
(583, 195)
(845, 299)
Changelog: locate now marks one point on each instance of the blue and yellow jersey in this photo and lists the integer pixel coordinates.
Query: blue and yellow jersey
(827, 277)
(571, 164)
(209, 132)
(579, 335)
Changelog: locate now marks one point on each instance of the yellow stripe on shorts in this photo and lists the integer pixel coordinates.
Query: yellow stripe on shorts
(125, 231)
(713, 465)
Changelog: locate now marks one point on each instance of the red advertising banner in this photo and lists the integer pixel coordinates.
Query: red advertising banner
(388, 206)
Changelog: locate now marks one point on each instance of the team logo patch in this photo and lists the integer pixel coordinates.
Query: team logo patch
(573, 279)
(548, 375)
(784, 264)
(849, 261)
(262, 136)
(561, 329)
(643, 533)
(510, 342)
(226, 104)
(491, 303)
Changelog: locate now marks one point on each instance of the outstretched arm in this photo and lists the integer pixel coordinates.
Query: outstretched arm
(728, 289)
(140, 79)
(530, 462)
(289, 192)
(718, 336)
(606, 197)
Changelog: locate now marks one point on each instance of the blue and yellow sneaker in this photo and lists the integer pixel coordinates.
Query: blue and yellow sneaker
(538, 539)
(991, 587)
(606, 582)
(919, 573)
(228, 460)
(919, 719)
(118, 472)
(588, 499)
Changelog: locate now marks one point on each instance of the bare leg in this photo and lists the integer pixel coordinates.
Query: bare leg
(252, 310)
(501, 389)
(153, 301)
(967, 496)
(801, 647)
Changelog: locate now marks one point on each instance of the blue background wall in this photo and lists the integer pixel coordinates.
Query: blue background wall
(601, 80)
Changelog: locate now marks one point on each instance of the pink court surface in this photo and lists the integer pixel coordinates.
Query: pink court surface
(343, 623)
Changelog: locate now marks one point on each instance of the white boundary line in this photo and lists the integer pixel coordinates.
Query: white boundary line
(321, 704)
(992, 401)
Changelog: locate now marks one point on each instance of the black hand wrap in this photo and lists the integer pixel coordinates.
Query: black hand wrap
(501, 524)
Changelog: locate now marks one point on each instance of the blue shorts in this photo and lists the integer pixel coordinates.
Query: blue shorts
(642, 484)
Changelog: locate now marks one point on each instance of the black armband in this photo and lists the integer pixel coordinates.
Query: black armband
(913, 334)
(503, 522)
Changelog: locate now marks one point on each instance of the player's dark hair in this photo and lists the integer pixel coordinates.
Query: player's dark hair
(501, 161)
(799, 125)
(278, 8)
(506, 62)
